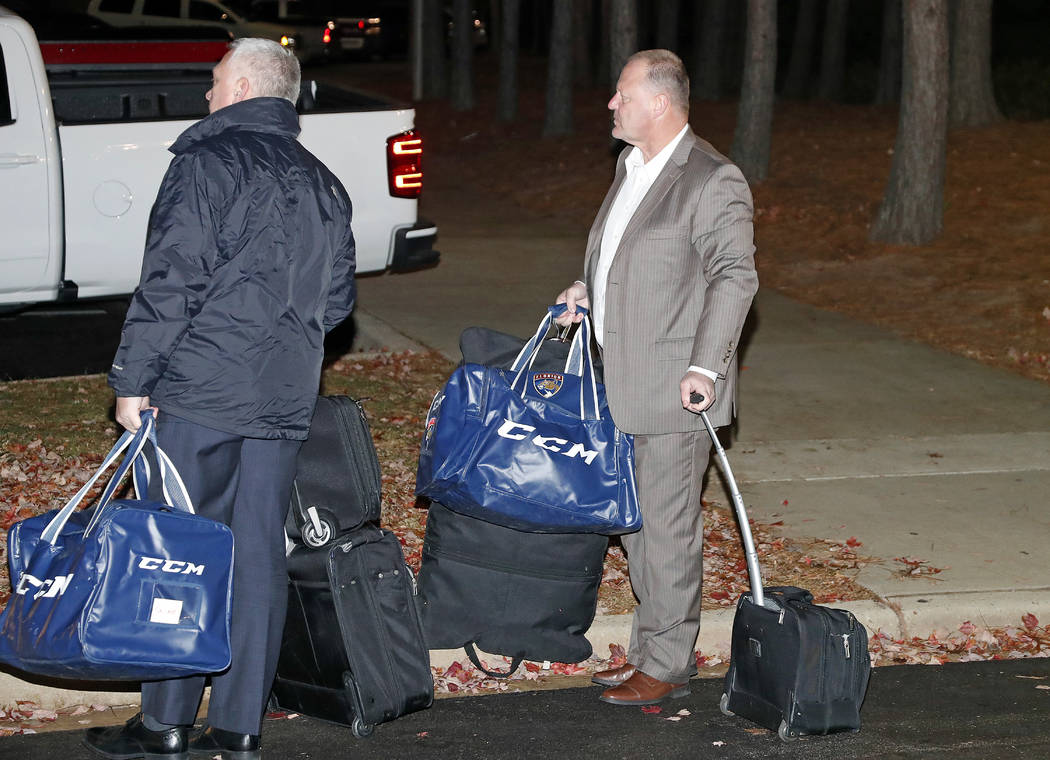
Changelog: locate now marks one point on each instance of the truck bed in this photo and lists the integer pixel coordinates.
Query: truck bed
(99, 97)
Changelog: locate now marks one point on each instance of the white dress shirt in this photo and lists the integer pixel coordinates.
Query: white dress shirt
(640, 177)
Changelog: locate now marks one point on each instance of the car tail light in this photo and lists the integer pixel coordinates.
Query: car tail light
(404, 164)
(326, 35)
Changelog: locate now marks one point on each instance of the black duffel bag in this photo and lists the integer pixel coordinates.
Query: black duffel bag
(528, 596)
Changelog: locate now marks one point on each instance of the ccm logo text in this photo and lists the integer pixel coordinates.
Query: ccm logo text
(47, 588)
(171, 566)
(515, 431)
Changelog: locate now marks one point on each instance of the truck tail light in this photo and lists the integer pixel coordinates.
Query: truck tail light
(404, 164)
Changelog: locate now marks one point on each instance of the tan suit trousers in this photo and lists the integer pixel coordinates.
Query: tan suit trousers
(665, 557)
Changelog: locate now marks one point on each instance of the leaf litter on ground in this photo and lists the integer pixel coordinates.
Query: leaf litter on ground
(47, 455)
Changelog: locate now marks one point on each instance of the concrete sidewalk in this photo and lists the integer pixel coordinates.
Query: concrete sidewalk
(844, 430)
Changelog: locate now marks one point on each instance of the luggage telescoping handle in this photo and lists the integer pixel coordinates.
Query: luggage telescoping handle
(754, 570)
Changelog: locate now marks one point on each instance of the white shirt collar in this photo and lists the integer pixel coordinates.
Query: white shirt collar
(650, 169)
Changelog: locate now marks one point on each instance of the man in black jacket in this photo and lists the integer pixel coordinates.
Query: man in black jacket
(249, 261)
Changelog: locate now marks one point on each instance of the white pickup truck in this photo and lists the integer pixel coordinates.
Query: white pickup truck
(83, 148)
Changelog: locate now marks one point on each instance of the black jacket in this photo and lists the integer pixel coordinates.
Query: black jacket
(249, 261)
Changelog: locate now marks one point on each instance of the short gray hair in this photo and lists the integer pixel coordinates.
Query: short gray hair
(666, 73)
(272, 70)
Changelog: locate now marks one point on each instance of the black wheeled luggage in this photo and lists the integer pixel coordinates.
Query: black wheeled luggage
(337, 480)
(353, 650)
(796, 668)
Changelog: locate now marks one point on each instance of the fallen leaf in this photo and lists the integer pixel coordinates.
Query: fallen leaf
(652, 709)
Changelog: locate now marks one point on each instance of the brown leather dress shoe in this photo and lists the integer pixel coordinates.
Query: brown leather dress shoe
(641, 689)
(614, 676)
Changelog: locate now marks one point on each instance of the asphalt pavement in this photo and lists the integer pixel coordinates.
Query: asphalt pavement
(977, 711)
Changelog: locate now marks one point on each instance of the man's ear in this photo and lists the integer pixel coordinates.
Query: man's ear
(243, 89)
(659, 105)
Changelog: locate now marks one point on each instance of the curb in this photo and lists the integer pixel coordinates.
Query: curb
(918, 615)
(372, 335)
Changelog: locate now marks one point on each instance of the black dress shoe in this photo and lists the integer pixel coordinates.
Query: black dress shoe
(133, 740)
(211, 741)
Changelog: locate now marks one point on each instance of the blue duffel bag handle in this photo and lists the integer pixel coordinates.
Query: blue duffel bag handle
(579, 361)
(175, 494)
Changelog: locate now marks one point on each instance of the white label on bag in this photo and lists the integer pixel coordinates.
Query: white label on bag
(167, 611)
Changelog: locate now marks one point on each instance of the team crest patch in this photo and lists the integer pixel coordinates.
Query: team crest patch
(547, 384)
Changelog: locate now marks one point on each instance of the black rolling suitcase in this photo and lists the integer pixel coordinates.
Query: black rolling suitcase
(796, 668)
(353, 649)
(337, 479)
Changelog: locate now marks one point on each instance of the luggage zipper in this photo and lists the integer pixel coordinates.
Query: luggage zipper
(369, 590)
(845, 644)
(359, 426)
(500, 567)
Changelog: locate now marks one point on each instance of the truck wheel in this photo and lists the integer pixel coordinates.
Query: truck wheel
(723, 705)
(360, 729)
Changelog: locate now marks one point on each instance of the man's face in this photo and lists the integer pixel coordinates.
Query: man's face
(632, 115)
(226, 87)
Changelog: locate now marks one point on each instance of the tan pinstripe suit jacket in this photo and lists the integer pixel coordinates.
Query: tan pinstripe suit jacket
(679, 289)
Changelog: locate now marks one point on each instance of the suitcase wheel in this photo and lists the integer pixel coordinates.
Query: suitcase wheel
(316, 536)
(723, 705)
(360, 729)
(785, 733)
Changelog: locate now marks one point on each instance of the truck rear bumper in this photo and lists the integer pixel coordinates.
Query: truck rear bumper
(414, 247)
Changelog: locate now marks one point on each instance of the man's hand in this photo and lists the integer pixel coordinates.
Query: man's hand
(575, 294)
(694, 382)
(129, 411)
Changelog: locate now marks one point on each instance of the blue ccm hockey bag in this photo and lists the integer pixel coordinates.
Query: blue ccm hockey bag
(534, 451)
(131, 590)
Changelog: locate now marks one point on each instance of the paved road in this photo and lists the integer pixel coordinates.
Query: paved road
(982, 711)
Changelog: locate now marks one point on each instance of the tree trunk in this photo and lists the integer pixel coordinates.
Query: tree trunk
(733, 48)
(558, 119)
(510, 11)
(833, 55)
(912, 212)
(667, 25)
(972, 99)
(800, 67)
(888, 89)
(601, 66)
(754, 121)
(623, 35)
(710, 31)
(462, 56)
(435, 75)
(582, 63)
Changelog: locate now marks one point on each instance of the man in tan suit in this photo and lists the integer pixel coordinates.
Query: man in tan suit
(669, 277)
